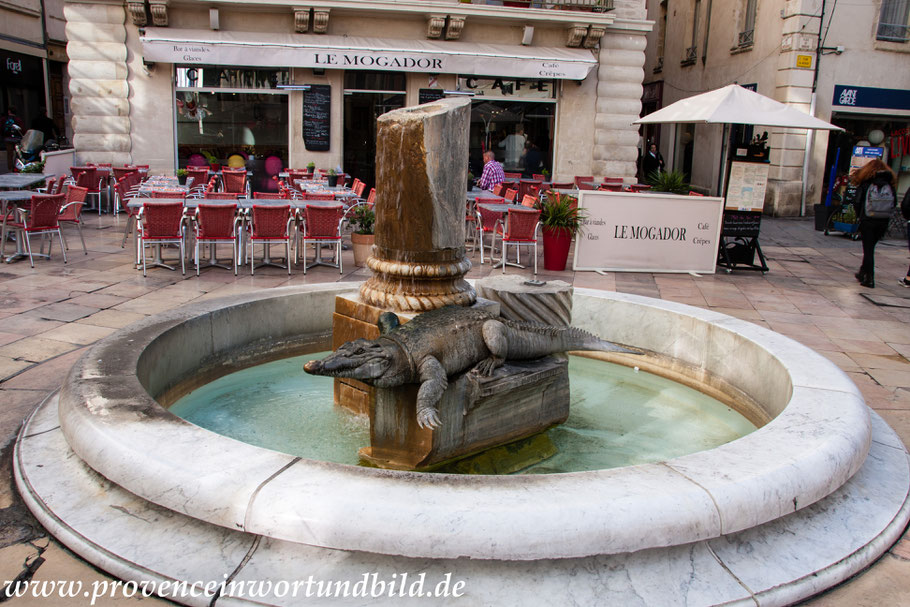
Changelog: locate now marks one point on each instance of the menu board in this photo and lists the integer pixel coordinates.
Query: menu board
(427, 95)
(317, 118)
(747, 185)
(745, 224)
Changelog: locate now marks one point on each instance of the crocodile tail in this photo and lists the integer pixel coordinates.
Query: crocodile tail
(531, 340)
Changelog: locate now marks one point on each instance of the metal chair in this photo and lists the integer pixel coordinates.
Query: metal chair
(122, 194)
(270, 224)
(161, 223)
(234, 182)
(512, 175)
(87, 177)
(216, 224)
(321, 225)
(520, 231)
(529, 201)
(71, 212)
(220, 196)
(486, 224)
(324, 196)
(510, 196)
(269, 196)
(41, 219)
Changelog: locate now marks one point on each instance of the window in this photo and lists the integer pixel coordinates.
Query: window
(692, 51)
(747, 33)
(661, 36)
(892, 22)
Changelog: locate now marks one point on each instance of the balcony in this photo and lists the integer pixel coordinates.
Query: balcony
(691, 56)
(893, 32)
(746, 38)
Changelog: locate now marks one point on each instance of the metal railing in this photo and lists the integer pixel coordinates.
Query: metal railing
(691, 55)
(747, 38)
(893, 32)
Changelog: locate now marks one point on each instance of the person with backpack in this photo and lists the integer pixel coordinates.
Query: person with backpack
(905, 211)
(875, 202)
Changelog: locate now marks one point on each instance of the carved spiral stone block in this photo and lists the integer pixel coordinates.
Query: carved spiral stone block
(419, 259)
(550, 304)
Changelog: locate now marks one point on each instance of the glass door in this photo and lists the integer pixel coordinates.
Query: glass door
(367, 96)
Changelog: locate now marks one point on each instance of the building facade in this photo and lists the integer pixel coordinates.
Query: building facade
(33, 61)
(843, 63)
(263, 82)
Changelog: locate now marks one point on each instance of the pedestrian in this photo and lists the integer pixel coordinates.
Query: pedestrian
(515, 147)
(44, 124)
(905, 211)
(12, 135)
(875, 201)
(492, 172)
(653, 162)
(532, 159)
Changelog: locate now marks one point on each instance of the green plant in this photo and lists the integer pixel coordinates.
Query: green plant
(470, 177)
(669, 181)
(211, 158)
(560, 213)
(311, 166)
(331, 173)
(363, 220)
(546, 174)
(34, 167)
(181, 172)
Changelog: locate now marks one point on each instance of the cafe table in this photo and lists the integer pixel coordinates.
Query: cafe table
(22, 181)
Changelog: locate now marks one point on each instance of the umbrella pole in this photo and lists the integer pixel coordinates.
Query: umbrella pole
(724, 153)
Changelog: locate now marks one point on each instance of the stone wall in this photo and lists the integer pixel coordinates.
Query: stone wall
(98, 82)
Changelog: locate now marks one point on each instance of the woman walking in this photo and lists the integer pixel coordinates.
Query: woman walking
(875, 199)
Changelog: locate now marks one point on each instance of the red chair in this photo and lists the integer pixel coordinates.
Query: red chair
(539, 177)
(526, 186)
(234, 181)
(220, 196)
(42, 219)
(121, 172)
(589, 179)
(161, 223)
(585, 185)
(71, 212)
(512, 175)
(217, 224)
(318, 196)
(269, 196)
(639, 187)
(49, 185)
(486, 223)
(520, 231)
(199, 175)
(358, 188)
(498, 189)
(613, 181)
(167, 194)
(529, 201)
(322, 226)
(270, 224)
(60, 185)
(123, 194)
(371, 199)
(87, 177)
(565, 185)
(510, 196)
(692, 193)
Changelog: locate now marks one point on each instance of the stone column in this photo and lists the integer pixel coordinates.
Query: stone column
(620, 73)
(98, 81)
(419, 261)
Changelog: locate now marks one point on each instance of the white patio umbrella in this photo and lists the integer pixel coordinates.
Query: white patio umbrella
(734, 104)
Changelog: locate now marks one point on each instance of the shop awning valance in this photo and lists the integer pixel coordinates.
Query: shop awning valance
(254, 49)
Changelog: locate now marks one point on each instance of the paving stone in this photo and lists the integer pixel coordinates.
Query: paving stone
(10, 367)
(35, 349)
(65, 312)
(77, 333)
(98, 300)
(112, 318)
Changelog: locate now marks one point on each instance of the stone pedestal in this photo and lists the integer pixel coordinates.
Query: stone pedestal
(520, 399)
(419, 259)
(549, 303)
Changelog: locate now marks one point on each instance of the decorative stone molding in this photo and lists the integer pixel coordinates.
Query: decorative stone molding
(137, 12)
(301, 20)
(576, 33)
(595, 33)
(320, 20)
(453, 31)
(158, 8)
(435, 25)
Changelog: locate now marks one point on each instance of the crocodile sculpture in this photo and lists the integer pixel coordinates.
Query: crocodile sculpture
(445, 342)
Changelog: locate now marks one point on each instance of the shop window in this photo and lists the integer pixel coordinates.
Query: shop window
(747, 31)
(892, 21)
(233, 117)
(375, 81)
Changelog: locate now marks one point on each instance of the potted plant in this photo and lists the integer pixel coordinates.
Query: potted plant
(470, 181)
(332, 177)
(560, 220)
(181, 176)
(211, 159)
(362, 237)
(311, 168)
(546, 174)
(668, 181)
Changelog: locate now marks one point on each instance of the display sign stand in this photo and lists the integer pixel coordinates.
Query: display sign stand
(739, 241)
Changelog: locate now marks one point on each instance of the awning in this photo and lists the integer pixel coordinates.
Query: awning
(255, 49)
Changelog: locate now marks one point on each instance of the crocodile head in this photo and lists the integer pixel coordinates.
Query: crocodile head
(361, 359)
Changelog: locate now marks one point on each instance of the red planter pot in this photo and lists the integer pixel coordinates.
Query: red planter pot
(556, 245)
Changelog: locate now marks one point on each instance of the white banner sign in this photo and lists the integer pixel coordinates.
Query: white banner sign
(648, 232)
(335, 52)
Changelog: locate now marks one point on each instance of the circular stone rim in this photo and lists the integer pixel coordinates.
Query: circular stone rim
(817, 442)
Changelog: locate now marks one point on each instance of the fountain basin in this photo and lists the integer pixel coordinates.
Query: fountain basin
(818, 436)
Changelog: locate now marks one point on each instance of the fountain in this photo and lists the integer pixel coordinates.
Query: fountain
(813, 496)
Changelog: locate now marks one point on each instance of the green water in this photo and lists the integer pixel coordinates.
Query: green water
(619, 416)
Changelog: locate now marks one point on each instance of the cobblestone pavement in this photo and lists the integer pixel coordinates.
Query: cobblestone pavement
(50, 314)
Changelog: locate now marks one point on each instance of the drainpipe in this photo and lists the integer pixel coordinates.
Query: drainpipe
(810, 134)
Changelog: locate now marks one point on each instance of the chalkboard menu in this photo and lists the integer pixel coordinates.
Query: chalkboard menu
(427, 95)
(317, 117)
(746, 224)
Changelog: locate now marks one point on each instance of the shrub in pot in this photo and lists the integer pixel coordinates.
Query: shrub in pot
(560, 220)
(332, 177)
(362, 237)
(668, 181)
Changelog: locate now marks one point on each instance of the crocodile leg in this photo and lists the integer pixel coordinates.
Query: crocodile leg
(494, 336)
(433, 382)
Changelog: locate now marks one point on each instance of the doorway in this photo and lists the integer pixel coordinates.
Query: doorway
(367, 96)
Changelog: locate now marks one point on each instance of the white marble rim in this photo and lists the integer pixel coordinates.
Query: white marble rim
(815, 444)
